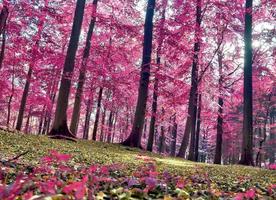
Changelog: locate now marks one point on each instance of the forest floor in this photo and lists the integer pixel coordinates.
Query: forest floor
(59, 169)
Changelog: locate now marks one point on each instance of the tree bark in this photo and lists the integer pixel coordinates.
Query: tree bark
(94, 136)
(87, 120)
(110, 122)
(134, 139)
(3, 45)
(24, 100)
(60, 128)
(102, 126)
(3, 18)
(198, 122)
(218, 151)
(174, 136)
(153, 114)
(192, 105)
(81, 81)
(247, 141)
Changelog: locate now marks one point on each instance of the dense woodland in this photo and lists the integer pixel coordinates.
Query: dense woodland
(192, 79)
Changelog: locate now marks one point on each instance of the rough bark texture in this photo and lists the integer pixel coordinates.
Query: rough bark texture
(86, 53)
(97, 117)
(272, 137)
(24, 100)
(198, 122)
(247, 142)
(110, 122)
(134, 139)
(192, 105)
(60, 128)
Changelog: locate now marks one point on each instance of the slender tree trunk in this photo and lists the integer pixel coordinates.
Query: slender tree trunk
(192, 106)
(161, 146)
(28, 120)
(78, 97)
(3, 45)
(198, 122)
(87, 120)
(134, 139)
(24, 100)
(114, 127)
(153, 114)
(60, 129)
(3, 20)
(247, 143)
(272, 134)
(97, 114)
(10, 102)
(110, 122)
(259, 154)
(174, 136)
(218, 152)
(102, 126)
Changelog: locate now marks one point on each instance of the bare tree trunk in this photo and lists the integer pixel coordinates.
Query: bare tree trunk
(114, 126)
(247, 144)
(192, 105)
(198, 121)
(87, 120)
(259, 154)
(60, 128)
(134, 139)
(10, 101)
(81, 81)
(28, 120)
(110, 122)
(272, 134)
(24, 100)
(174, 136)
(3, 45)
(218, 152)
(102, 126)
(153, 114)
(97, 114)
(3, 18)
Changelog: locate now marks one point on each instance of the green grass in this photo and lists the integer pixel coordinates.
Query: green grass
(12, 144)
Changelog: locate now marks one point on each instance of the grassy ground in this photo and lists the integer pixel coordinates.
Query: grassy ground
(227, 178)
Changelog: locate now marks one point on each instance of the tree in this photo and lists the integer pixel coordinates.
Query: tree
(81, 81)
(60, 128)
(192, 105)
(247, 141)
(134, 139)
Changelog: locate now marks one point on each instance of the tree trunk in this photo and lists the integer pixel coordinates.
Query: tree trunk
(198, 121)
(28, 120)
(272, 133)
(247, 143)
(24, 100)
(2, 53)
(153, 114)
(192, 105)
(87, 120)
(10, 101)
(218, 152)
(60, 129)
(102, 126)
(3, 18)
(110, 122)
(134, 139)
(174, 136)
(259, 154)
(97, 114)
(78, 97)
